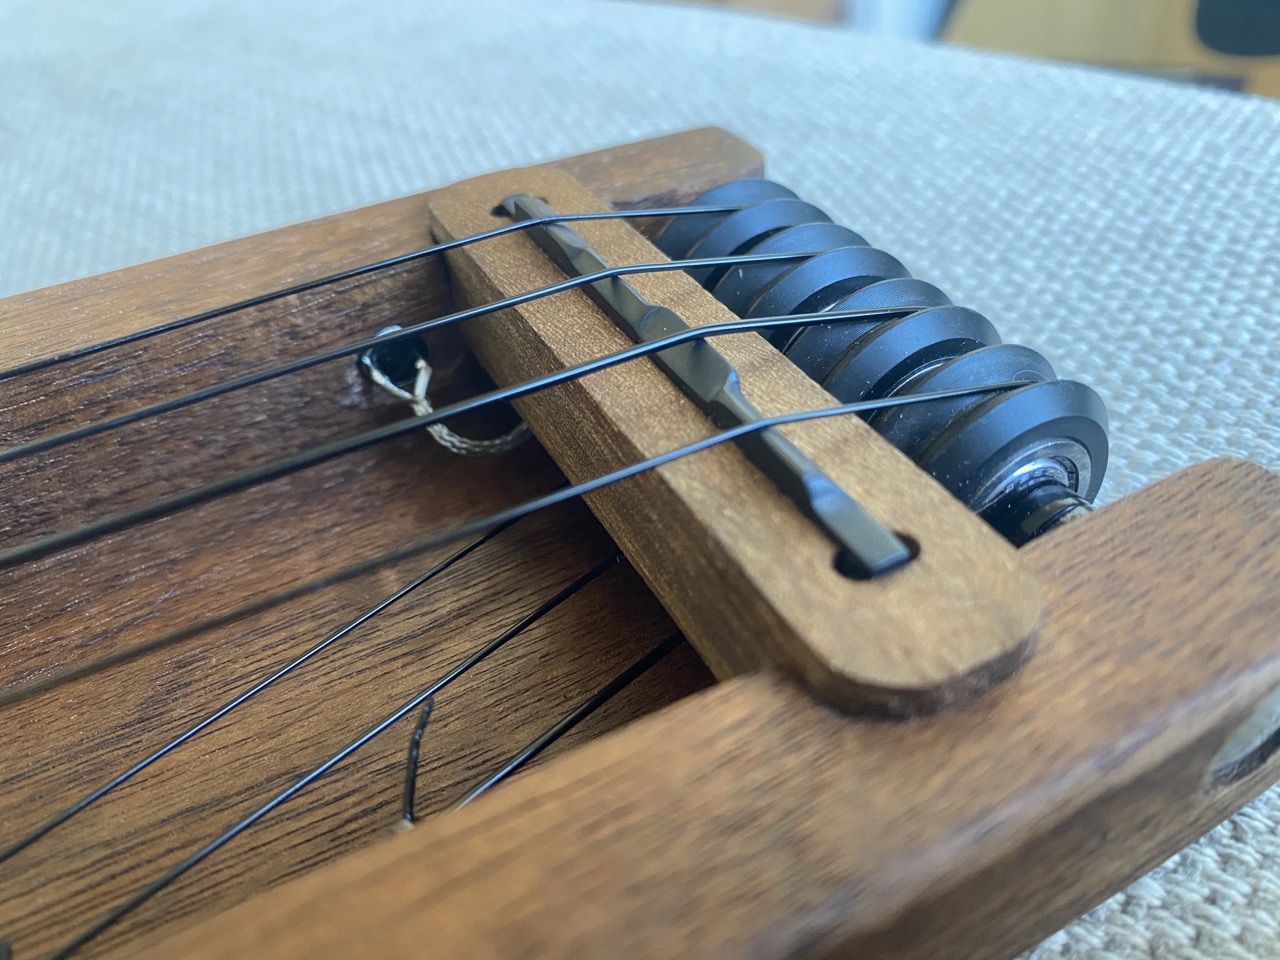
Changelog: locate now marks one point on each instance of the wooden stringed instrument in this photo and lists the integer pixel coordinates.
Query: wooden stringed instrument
(916, 741)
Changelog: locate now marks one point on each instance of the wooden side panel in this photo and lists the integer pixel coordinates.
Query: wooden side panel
(748, 821)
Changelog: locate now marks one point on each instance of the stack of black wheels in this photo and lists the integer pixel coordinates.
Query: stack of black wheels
(1024, 459)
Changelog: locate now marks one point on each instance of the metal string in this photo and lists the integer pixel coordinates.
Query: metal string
(464, 530)
(240, 699)
(424, 700)
(53, 543)
(48, 682)
(349, 274)
(541, 742)
(473, 528)
(571, 720)
(589, 486)
(43, 444)
(409, 706)
(557, 497)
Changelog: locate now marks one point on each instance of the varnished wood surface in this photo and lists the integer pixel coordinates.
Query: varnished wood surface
(748, 821)
(751, 581)
(117, 596)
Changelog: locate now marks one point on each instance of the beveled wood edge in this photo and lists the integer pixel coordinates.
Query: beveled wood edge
(748, 821)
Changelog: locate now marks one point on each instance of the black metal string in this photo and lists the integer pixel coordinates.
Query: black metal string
(53, 543)
(173, 404)
(409, 706)
(631, 470)
(97, 794)
(506, 516)
(567, 723)
(509, 516)
(48, 682)
(45, 684)
(586, 708)
(349, 274)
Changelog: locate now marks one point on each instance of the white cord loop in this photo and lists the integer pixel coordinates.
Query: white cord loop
(420, 403)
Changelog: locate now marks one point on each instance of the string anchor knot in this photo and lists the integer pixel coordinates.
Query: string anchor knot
(371, 365)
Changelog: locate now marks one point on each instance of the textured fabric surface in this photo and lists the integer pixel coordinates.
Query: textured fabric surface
(1126, 228)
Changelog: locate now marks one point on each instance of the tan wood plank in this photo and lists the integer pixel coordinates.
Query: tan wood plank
(748, 578)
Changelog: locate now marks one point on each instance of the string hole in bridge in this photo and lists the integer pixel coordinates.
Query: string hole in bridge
(847, 567)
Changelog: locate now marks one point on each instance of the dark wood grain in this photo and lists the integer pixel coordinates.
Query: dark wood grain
(749, 821)
(115, 597)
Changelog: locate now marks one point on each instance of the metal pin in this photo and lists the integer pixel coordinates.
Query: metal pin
(869, 548)
(411, 766)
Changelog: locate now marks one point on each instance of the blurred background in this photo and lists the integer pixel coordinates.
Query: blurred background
(1234, 44)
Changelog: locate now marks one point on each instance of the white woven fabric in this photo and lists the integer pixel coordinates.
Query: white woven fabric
(1126, 228)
